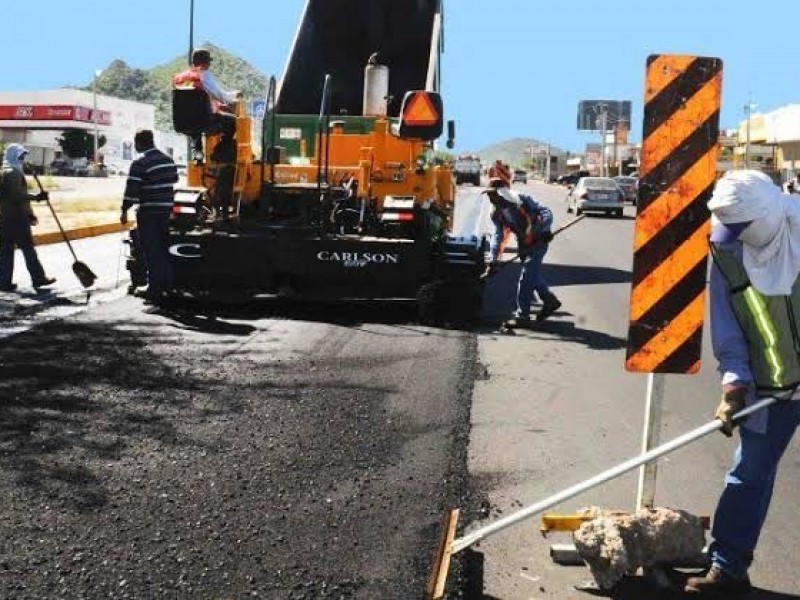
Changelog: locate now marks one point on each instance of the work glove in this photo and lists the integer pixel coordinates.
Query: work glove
(546, 236)
(734, 399)
(42, 196)
(123, 217)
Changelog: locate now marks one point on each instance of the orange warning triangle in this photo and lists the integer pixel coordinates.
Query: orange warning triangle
(420, 111)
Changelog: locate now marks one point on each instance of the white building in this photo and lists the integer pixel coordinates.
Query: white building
(37, 118)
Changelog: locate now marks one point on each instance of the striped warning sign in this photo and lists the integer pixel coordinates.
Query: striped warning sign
(679, 157)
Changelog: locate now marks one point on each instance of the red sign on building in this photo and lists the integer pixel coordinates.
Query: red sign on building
(30, 112)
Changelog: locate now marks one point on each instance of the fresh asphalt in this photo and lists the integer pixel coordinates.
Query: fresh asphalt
(548, 409)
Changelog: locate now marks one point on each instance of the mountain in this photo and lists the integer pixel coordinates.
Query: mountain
(515, 151)
(153, 86)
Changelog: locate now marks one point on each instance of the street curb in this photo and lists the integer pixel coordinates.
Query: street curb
(43, 239)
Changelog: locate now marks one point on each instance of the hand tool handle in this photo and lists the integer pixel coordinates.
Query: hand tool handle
(55, 217)
(612, 473)
(555, 233)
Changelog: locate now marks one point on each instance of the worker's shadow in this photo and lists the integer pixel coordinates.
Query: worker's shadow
(186, 319)
(637, 588)
(630, 588)
(567, 331)
(500, 295)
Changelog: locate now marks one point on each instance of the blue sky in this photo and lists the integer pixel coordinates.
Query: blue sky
(513, 68)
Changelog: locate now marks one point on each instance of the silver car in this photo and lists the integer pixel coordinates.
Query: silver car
(596, 194)
(629, 186)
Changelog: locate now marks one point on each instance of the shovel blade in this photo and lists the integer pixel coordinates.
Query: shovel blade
(84, 274)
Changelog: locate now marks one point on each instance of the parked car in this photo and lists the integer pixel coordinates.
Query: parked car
(572, 178)
(629, 187)
(596, 194)
(30, 169)
(115, 169)
(62, 168)
(519, 176)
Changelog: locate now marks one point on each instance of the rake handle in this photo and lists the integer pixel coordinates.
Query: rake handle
(471, 538)
(55, 217)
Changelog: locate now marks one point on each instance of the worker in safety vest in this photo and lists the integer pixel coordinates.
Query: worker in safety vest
(199, 76)
(520, 215)
(755, 301)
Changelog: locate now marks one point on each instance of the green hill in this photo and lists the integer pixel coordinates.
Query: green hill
(515, 152)
(154, 85)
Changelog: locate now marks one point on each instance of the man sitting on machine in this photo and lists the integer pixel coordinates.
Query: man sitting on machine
(199, 77)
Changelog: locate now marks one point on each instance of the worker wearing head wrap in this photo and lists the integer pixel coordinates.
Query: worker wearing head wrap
(16, 218)
(521, 216)
(755, 302)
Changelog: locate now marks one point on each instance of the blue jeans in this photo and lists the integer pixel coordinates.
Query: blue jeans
(154, 241)
(530, 281)
(743, 506)
(15, 231)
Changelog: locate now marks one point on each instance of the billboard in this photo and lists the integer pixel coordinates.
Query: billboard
(27, 112)
(590, 113)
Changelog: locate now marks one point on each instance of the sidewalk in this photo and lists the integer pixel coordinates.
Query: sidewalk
(24, 308)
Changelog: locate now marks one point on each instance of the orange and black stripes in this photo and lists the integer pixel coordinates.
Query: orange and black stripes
(681, 129)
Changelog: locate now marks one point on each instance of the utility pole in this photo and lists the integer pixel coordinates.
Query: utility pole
(191, 51)
(191, 30)
(94, 117)
(603, 124)
(748, 109)
(547, 165)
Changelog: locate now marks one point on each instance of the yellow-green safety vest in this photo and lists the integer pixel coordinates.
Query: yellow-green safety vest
(769, 324)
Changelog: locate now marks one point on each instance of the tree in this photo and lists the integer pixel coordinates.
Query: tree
(79, 143)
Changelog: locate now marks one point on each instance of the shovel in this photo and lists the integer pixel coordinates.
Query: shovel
(497, 268)
(81, 270)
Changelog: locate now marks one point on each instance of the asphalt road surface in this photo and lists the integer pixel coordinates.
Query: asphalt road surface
(268, 452)
(285, 451)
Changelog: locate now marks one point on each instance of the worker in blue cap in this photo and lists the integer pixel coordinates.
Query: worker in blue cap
(16, 219)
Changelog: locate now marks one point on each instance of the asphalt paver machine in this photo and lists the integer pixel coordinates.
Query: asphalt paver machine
(347, 198)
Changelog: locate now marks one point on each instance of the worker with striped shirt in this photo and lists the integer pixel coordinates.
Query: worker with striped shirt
(150, 185)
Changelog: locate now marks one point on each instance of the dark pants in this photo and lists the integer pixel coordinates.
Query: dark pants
(222, 122)
(154, 242)
(15, 231)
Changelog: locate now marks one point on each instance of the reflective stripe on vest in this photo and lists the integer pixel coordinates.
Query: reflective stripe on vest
(768, 324)
(769, 335)
(191, 76)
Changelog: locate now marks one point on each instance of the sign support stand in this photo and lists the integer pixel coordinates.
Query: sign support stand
(651, 438)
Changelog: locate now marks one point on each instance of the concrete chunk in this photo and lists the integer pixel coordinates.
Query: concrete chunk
(614, 543)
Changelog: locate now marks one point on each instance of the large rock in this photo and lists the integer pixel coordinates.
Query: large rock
(614, 543)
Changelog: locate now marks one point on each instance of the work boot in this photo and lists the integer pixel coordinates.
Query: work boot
(46, 282)
(548, 308)
(517, 323)
(718, 584)
(10, 287)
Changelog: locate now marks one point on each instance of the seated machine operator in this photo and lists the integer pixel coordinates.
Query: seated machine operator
(198, 76)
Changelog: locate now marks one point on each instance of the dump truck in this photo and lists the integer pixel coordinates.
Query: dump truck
(345, 198)
(467, 169)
